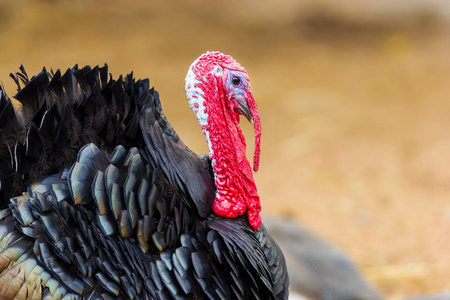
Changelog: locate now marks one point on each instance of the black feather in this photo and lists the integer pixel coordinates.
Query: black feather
(107, 201)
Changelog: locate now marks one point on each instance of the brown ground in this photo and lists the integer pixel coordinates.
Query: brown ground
(354, 101)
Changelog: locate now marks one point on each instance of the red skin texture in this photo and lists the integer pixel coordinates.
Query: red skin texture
(236, 188)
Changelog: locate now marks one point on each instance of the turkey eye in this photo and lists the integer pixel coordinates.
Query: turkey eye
(236, 81)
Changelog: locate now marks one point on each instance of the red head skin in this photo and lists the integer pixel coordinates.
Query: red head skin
(219, 92)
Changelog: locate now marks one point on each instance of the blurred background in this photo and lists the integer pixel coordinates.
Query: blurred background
(353, 97)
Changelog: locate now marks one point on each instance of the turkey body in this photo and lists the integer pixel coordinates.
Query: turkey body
(102, 200)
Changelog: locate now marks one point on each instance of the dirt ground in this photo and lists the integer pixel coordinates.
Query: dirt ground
(354, 102)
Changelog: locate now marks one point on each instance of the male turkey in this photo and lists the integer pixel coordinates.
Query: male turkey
(102, 199)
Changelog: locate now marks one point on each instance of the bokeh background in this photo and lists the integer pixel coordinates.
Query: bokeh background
(353, 96)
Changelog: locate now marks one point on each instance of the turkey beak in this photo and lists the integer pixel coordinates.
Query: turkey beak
(245, 111)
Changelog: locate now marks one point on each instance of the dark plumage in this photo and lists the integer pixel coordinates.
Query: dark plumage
(101, 199)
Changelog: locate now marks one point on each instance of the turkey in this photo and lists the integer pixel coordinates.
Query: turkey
(102, 200)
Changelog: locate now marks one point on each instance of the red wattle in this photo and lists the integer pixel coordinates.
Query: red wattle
(236, 188)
